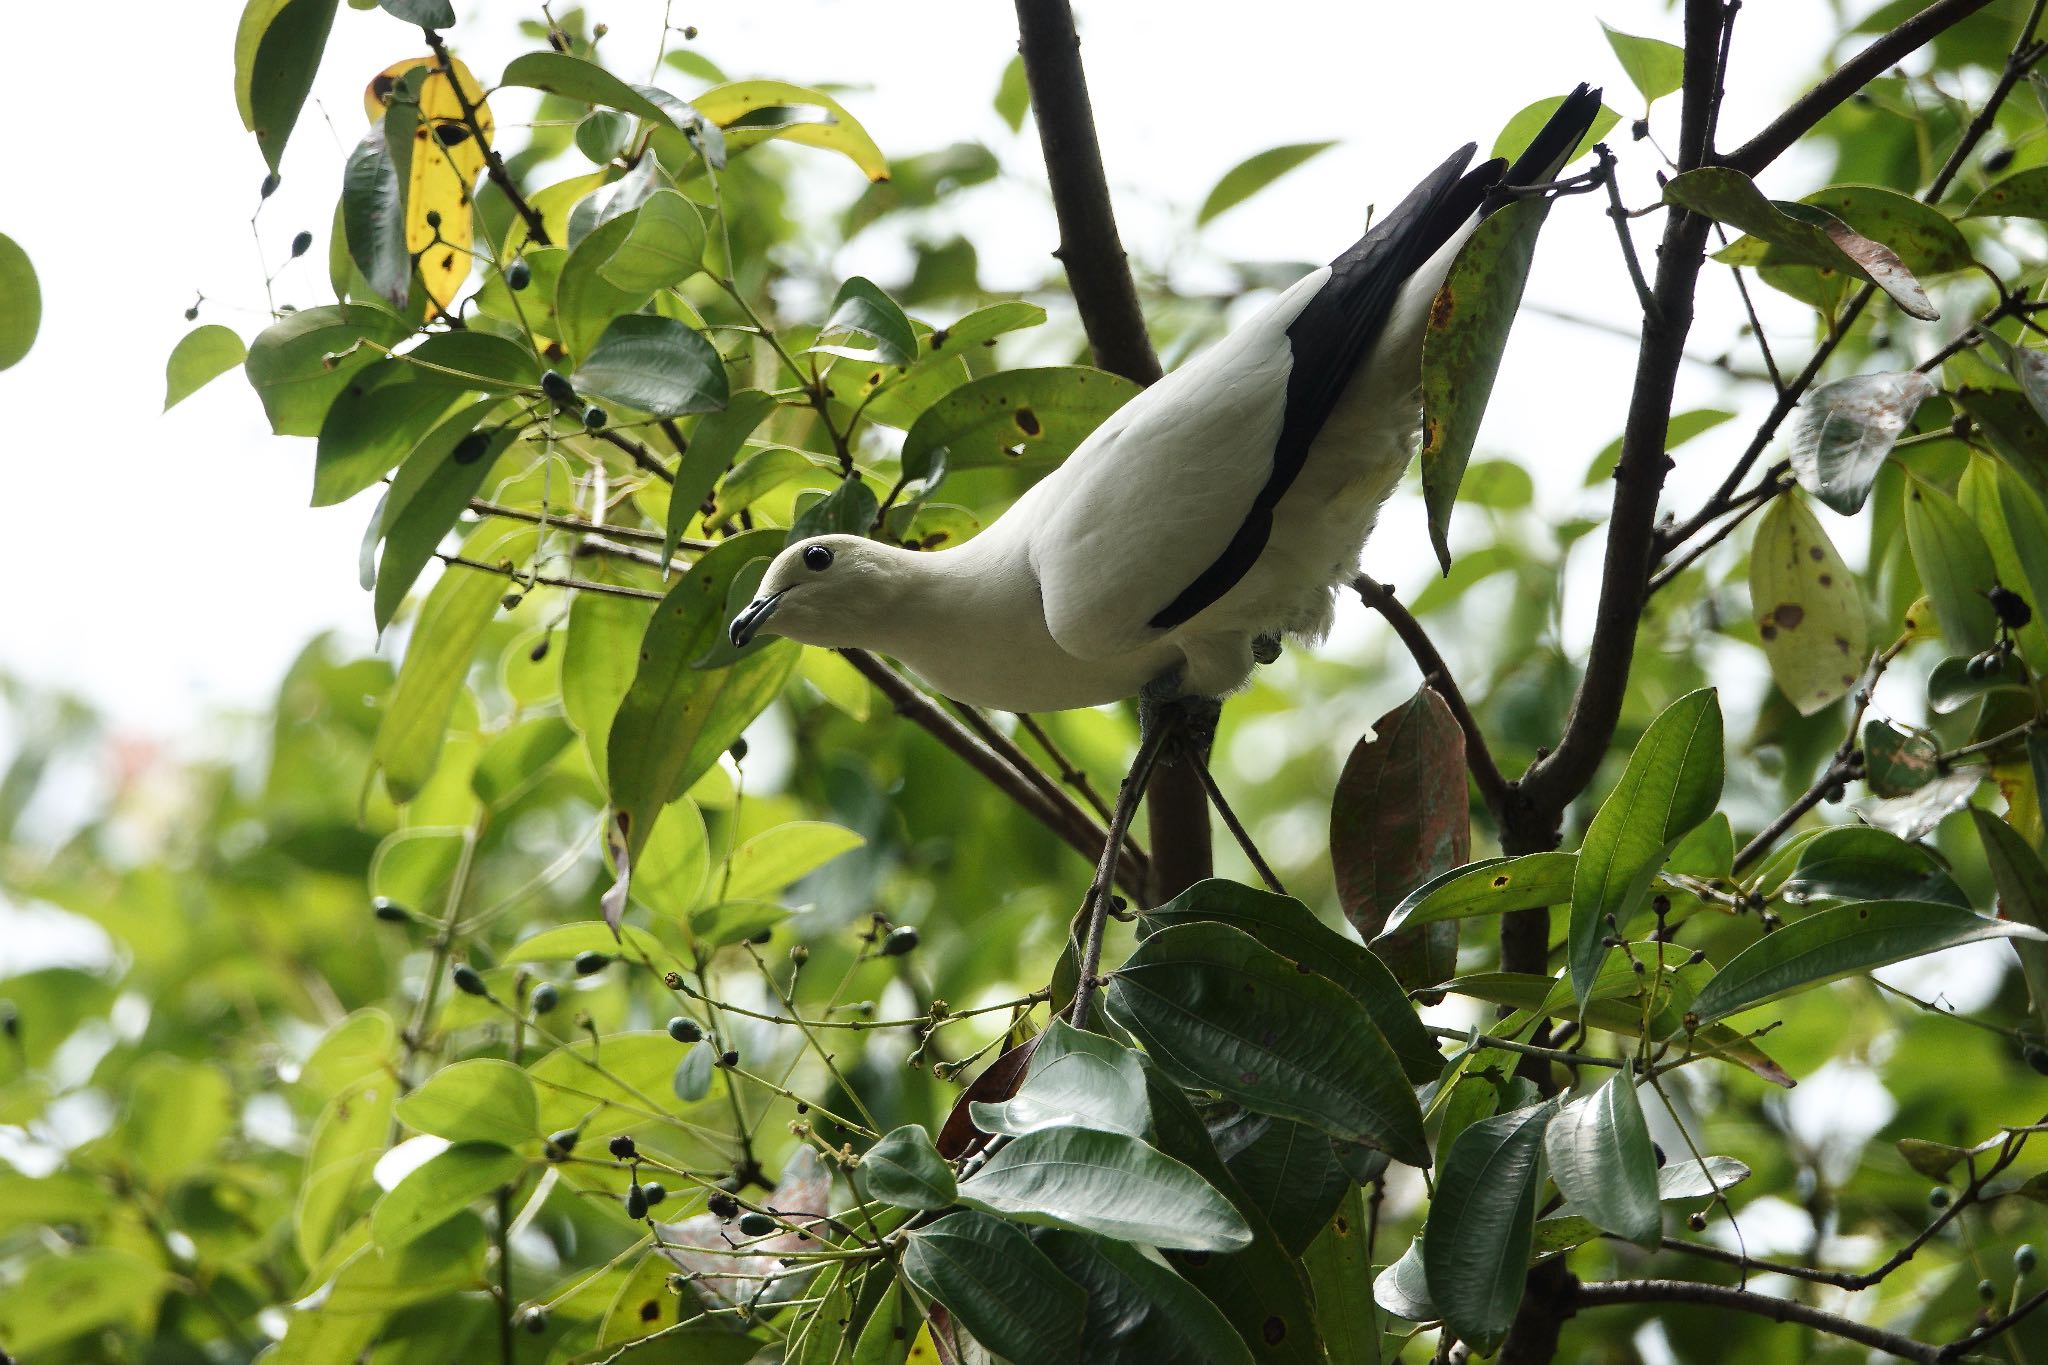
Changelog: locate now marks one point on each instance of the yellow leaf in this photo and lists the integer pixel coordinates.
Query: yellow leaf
(1807, 607)
(725, 104)
(446, 160)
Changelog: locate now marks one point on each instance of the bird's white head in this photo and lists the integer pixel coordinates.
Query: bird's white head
(827, 590)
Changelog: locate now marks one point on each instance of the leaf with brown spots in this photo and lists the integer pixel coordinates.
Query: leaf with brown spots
(1401, 815)
(1807, 607)
(443, 166)
(1032, 418)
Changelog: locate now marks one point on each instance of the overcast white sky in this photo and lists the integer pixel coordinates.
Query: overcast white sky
(167, 564)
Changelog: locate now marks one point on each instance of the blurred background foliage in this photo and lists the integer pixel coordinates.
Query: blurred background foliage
(242, 947)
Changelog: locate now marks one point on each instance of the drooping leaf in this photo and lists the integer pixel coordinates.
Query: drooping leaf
(1654, 67)
(441, 1187)
(1001, 1287)
(1106, 1183)
(1403, 1287)
(1528, 121)
(1139, 1312)
(432, 488)
(1076, 1080)
(373, 217)
(289, 363)
(747, 109)
(441, 169)
(204, 353)
(1477, 1235)
(437, 657)
(2022, 884)
(1290, 929)
(664, 246)
(958, 1137)
(1013, 94)
(1027, 418)
(1461, 350)
(1955, 565)
(1253, 174)
(678, 716)
(481, 1100)
(1922, 236)
(1842, 432)
(1602, 1160)
(2024, 195)
(1858, 863)
(1339, 1265)
(656, 365)
(1808, 610)
(1672, 783)
(863, 309)
(1216, 1009)
(1401, 815)
(1845, 941)
(904, 1169)
(1490, 886)
(278, 45)
(1799, 234)
(714, 445)
(775, 857)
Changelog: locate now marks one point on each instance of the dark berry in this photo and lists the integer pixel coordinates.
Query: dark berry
(728, 1059)
(636, 1203)
(594, 418)
(1994, 664)
(739, 750)
(684, 1030)
(545, 998)
(722, 1205)
(518, 275)
(2037, 1058)
(590, 962)
(1986, 1290)
(269, 186)
(192, 313)
(1939, 1198)
(539, 650)
(388, 910)
(655, 1192)
(433, 218)
(1697, 1222)
(2024, 1259)
(1974, 668)
(557, 388)
(534, 1320)
(1657, 1150)
(756, 1225)
(300, 244)
(622, 1147)
(559, 1145)
(2013, 611)
(1834, 794)
(902, 939)
(1996, 161)
(468, 981)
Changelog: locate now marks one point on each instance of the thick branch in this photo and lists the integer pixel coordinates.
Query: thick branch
(1845, 80)
(1069, 822)
(494, 165)
(1761, 1305)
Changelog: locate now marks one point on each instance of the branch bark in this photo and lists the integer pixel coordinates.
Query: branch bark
(1760, 1305)
(1099, 273)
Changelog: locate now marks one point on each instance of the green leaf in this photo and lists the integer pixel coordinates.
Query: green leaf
(885, 1337)
(1857, 863)
(1844, 430)
(609, 1084)
(425, 13)
(1139, 1312)
(1481, 1223)
(430, 492)
(21, 306)
(904, 1169)
(1288, 1169)
(1403, 1287)
(278, 45)
(1254, 173)
(1931, 1159)
(1672, 783)
(1848, 940)
(603, 134)
(1602, 1160)
(288, 363)
(586, 302)
(441, 1187)
(1013, 94)
(1955, 565)
(1218, 1010)
(1799, 233)
(481, 1100)
(755, 477)
(1339, 1265)
(1923, 237)
(373, 216)
(2022, 884)
(558, 73)
(566, 941)
(677, 717)
(1076, 1080)
(1107, 1183)
(437, 658)
(2024, 195)
(1491, 886)
(1808, 609)
(1290, 929)
(714, 445)
(204, 353)
(1654, 67)
(1707, 851)
(351, 1133)
(1897, 761)
(1030, 419)
(774, 858)
(664, 246)
(861, 308)
(58, 1297)
(656, 365)
(669, 876)
(1400, 815)
(1521, 130)
(1001, 1287)
(2014, 523)
(599, 654)
(1461, 350)
(177, 1112)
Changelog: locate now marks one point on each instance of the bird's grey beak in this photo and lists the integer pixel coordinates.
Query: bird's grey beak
(748, 622)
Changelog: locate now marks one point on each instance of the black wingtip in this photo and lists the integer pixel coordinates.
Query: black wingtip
(1554, 143)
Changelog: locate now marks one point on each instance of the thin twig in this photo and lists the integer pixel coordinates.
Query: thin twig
(1070, 774)
(1239, 832)
(548, 580)
(1095, 908)
(1549, 1054)
(1619, 214)
(1494, 789)
(1611, 1292)
(495, 509)
(494, 165)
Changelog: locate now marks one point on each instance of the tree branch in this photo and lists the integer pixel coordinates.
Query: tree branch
(494, 165)
(1069, 822)
(1761, 1305)
(1494, 789)
(1845, 80)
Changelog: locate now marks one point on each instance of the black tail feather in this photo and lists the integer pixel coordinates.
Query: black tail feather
(1555, 142)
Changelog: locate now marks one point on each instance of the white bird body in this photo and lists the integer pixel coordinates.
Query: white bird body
(1227, 502)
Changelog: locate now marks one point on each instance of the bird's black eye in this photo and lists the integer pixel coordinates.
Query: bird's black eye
(817, 558)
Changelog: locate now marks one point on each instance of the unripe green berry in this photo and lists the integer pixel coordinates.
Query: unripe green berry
(756, 1225)
(1986, 1290)
(684, 1030)
(468, 981)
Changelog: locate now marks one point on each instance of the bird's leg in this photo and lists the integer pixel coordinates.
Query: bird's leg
(1157, 724)
(1265, 649)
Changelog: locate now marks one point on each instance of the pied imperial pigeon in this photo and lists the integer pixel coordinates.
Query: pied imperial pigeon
(1214, 513)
